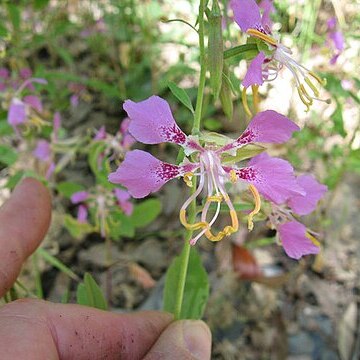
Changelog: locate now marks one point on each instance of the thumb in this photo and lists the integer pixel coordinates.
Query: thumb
(183, 340)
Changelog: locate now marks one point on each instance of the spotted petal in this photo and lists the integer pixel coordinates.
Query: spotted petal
(254, 74)
(294, 240)
(246, 14)
(152, 122)
(273, 177)
(314, 191)
(266, 127)
(142, 174)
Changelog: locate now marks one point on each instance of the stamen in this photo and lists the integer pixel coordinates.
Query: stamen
(262, 36)
(195, 226)
(312, 86)
(313, 239)
(317, 78)
(233, 176)
(302, 98)
(245, 103)
(188, 179)
(257, 207)
(215, 198)
(227, 231)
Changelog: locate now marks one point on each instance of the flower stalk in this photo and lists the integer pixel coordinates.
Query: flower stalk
(195, 130)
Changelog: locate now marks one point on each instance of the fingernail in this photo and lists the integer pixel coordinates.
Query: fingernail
(197, 338)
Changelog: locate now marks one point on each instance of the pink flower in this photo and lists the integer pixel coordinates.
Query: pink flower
(79, 196)
(123, 198)
(335, 39)
(42, 150)
(295, 240)
(266, 65)
(141, 173)
(82, 214)
(314, 191)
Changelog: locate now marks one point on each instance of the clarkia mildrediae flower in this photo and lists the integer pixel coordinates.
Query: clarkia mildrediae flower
(267, 64)
(295, 238)
(151, 122)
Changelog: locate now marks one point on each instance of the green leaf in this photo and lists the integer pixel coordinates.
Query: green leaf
(67, 188)
(196, 290)
(89, 293)
(3, 31)
(181, 95)
(247, 51)
(76, 229)
(99, 168)
(246, 152)
(52, 260)
(39, 4)
(119, 225)
(8, 155)
(5, 128)
(145, 213)
(338, 121)
(14, 14)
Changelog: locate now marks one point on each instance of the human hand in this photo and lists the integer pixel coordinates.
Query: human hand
(36, 329)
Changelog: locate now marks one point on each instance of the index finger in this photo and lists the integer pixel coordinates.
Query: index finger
(24, 221)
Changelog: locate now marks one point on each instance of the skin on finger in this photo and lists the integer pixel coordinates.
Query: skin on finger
(183, 340)
(24, 221)
(36, 329)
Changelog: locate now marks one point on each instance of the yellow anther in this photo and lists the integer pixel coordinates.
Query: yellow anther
(313, 239)
(312, 87)
(195, 226)
(215, 198)
(233, 176)
(303, 99)
(262, 36)
(257, 207)
(245, 103)
(256, 98)
(227, 231)
(188, 179)
(317, 78)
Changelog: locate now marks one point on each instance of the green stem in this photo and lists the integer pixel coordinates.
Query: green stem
(196, 128)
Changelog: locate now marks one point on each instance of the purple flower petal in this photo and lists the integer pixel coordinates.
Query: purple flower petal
(268, 127)
(338, 40)
(294, 240)
(42, 150)
(254, 74)
(50, 170)
(142, 174)
(273, 177)
(34, 102)
(331, 23)
(4, 73)
(268, 7)
(82, 214)
(79, 197)
(314, 191)
(123, 197)
(100, 134)
(152, 122)
(17, 112)
(25, 73)
(74, 100)
(127, 139)
(246, 14)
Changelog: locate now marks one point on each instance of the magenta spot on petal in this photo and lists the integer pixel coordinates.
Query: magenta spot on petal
(167, 171)
(247, 137)
(248, 174)
(173, 134)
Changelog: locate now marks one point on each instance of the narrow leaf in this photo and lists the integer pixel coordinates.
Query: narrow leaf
(196, 290)
(181, 95)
